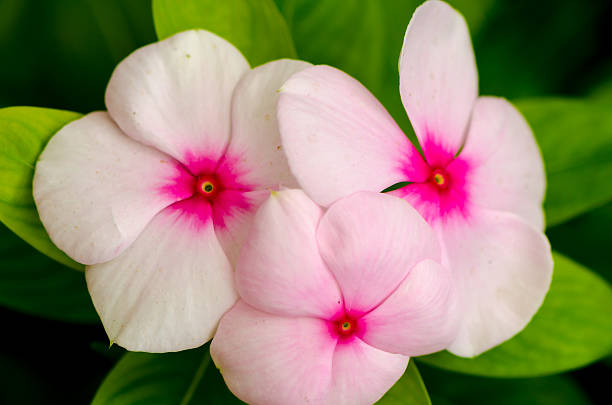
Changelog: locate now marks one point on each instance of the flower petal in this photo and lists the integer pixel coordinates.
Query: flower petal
(339, 139)
(419, 317)
(170, 288)
(362, 374)
(96, 189)
(268, 359)
(255, 137)
(280, 269)
(370, 241)
(176, 95)
(438, 78)
(502, 268)
(508, 172)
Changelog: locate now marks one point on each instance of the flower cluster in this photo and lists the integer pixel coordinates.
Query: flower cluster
(207, 202)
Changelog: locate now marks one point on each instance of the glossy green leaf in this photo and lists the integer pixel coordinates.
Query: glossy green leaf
(575, 137)
(460, 389)
(254, 26)
(572, 329)
(408, 390)
(24, 132)
(364, 39)
(182, 378)
(32, 283)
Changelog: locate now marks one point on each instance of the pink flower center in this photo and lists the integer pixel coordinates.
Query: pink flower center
(440, 178)
(345, 327)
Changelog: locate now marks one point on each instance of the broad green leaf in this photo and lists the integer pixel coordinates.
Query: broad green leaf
(32, 283)
(408, 390)
(24, 132)
(461, 389)
(572, 329)
(182, 378)
(254, 26)
(575, 137)
(586, 239)
(364, 39)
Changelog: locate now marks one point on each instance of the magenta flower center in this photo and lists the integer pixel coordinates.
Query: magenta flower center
(207, 185)
(440, 178)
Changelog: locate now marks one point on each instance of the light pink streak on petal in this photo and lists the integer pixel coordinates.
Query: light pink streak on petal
(438, 78)
(255, 135)
(370, 242)
(362, 374)
(502, 268)
(418, 318)
(96, 189)
(508, 172)
(168, 291)
(280, 269)
(339, 139)
(233, 213)
(273, 360)
(176, 94)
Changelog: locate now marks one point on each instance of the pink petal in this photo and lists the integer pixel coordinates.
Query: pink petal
(419, 317)
(362, 374)
(176, 94)
(339, 139)
(280, 270)
(370, 241)
(96, 189)
(255, 137)
(502, 268)
(268, 359)
(170, 288)
(233, 213)
(508, 173)
(438, 78)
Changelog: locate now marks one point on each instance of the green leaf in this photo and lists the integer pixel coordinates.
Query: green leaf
(364, 39)
(32, 283)
(254, 26)
(572, 329)
(182, 378)
(408, 390)
(24, 132)
(575, 137)
(462, 389)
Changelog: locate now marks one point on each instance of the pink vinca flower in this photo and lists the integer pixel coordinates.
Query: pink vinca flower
(332, 304)
(480, 186)
(156, 195)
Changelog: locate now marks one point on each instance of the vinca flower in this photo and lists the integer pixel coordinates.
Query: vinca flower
(156, 196)
(480, 184)
(332, 304)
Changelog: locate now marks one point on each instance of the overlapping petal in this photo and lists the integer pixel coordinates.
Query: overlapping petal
(269, 359)
(419, 317)
(438, 78)
(508, 173)
(255, 137)
(280, 269)
(339, 139)
(169, 289)
(176, 96)
(370, 241)
(502, 269)
(96, 189)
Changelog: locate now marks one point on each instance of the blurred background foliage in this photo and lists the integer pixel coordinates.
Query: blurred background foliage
(61, 53)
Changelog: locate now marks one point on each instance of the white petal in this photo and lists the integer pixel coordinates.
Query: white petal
(169, 289)
(438, 78)
(96, 189)
(255, 137)
(176, 94)
(502, 268)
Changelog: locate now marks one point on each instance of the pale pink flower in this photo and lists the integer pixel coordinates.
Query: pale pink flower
(480, 186)
(332, 304)
(156, 195)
